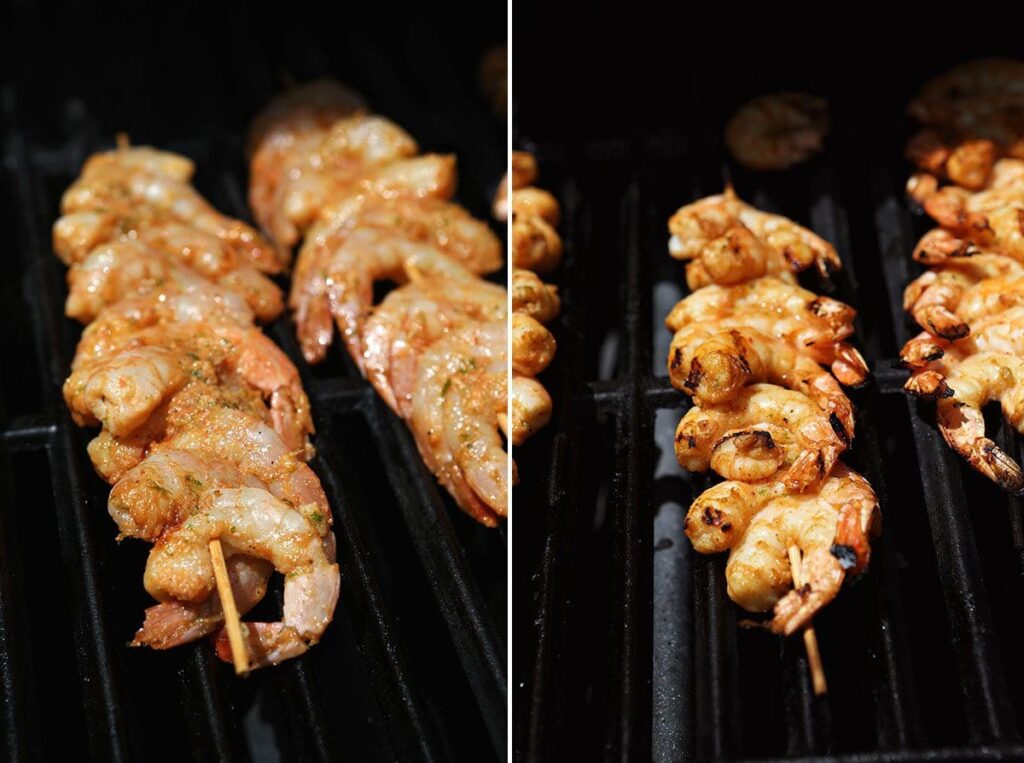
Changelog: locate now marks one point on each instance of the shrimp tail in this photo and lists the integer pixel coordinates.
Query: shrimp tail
(823, 574)
(849, 366)
(851, 546)
(963, 427)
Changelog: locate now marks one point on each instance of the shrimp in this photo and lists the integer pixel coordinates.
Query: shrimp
(365, 256)
(719, 517)
(728, 241)
(961, 391)
(121, 392)
(1002, 332)
(162, 491)
(115, 271)
(425, 222)
(533, 346)
(813, 333)
(948, 298)
(173, 623)
(147, 198)
(830, 527)
(536, 244)
(257, 524)
(533, 297)
(712, 363)
(242, 440)
(816, 325)
(531, 409)
(146, 158)
(113, 456)
(964, 161)
(473, 404)
(359, 154)
(774, 132)
(992, 217)
(414, 316)
(476, 352)
(763, 429)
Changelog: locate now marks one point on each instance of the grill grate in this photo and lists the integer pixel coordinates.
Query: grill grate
(625, 645)
(413, 666)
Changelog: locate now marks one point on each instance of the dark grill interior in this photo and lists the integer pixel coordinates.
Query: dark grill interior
(413, 666)
(625, 644)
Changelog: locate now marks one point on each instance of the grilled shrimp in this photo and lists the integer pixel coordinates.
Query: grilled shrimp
(992, 217)
(414, 316)
(531, 296)
(964, 161)
(774, 132)
(531, 409)
(533, 346)
(536, 244)
(765, 428)
(1002, 332)
(472, 356)
(962, 389)
(425, 222)
(115, 271)
(951, 296)
(831, 528)
(255, 523)
(148, 198)
(713, 364)
(727, 241)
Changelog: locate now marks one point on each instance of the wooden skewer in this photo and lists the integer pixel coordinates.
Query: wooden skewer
(122, 140)
(810, 638)
(239, 654)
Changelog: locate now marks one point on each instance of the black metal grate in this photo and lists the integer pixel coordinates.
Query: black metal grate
(625, 644)
(413, 666)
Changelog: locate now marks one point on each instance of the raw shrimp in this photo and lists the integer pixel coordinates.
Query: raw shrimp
(115, 271)
(533, 297)
(763, 429)
(774, 132)
(713, 364)
(255, 523)
(478, 352)
(427, 222)
(238, 438)
(173, 623)
(728, 242)
(146, 197)
(414, 316)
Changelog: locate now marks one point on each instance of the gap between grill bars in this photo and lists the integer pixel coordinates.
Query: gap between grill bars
(414, 665)
(631, 649)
